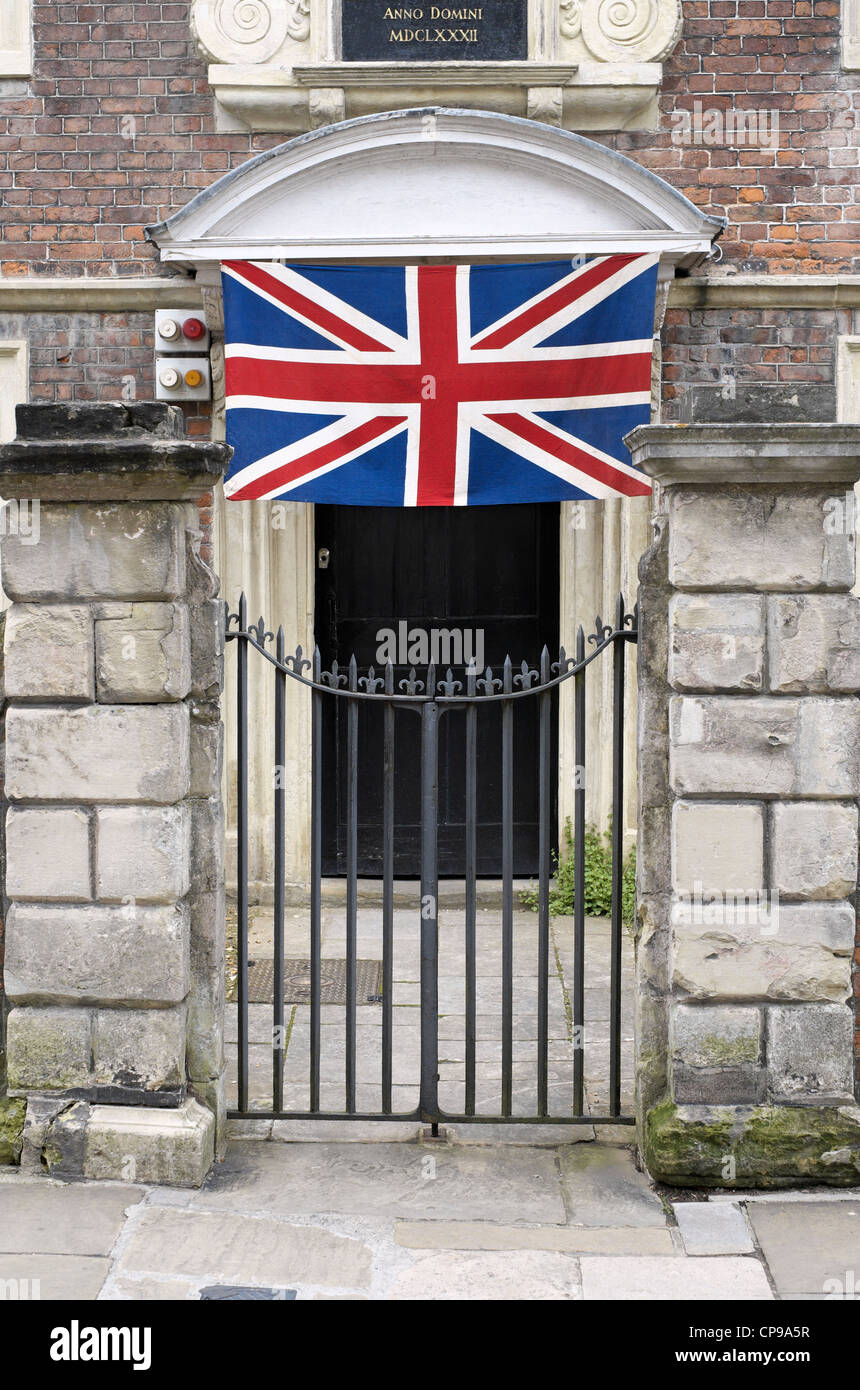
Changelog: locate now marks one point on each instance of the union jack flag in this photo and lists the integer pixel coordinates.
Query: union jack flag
(437, 386)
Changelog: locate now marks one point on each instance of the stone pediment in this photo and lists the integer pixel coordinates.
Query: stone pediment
(436, 182)
(292, 65)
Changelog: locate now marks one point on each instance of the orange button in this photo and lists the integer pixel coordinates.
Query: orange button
(194, 378)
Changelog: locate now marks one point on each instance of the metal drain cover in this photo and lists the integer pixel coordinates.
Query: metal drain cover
(297, 981)
(235, 1293)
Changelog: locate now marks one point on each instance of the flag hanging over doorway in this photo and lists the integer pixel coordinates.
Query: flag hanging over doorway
(437, 386)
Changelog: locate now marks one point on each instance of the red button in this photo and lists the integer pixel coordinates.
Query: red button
(193, 328)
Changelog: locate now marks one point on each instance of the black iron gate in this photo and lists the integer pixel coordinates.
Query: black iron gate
(431, 697)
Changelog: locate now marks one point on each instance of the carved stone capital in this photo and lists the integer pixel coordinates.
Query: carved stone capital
(326, 106)
(636, 31)
(570, 18)
(247, 31)
(546, 104)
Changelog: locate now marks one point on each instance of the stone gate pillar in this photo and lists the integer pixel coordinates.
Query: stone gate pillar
(113, 879)
(749, 739)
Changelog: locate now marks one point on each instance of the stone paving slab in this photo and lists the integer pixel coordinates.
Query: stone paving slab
(574, 1240)
(488, 1098)
(342, 1131)
(149, 1290)
(451, 1022)
(395, 1179)
(713, 1228)
(603, 1187)
(488, 1027)
(529, 1136)
(634, 1278)
(533, 1275)
(486, 1219)
(408, 1131)
(826, 1261)
(60, 1277)
(49, 1218)
(242, 1249)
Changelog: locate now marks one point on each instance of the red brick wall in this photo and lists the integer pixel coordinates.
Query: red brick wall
(751, 364)
(118, 131)
(791, 210)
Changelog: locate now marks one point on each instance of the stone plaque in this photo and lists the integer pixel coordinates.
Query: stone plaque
(376, 31)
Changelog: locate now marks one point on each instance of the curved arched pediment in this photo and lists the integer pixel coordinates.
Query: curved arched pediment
(436, 182)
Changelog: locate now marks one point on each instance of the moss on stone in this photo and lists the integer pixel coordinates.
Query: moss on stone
(51, 1156)
(12, 1112)
(752, 1146)
(731, 1052)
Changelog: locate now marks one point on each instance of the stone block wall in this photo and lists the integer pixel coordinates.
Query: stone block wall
(112, 669)
(749, 777)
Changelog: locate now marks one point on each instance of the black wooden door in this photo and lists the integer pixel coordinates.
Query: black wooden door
(492, 570)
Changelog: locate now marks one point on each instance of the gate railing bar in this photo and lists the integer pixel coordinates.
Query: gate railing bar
(242, 857)
(544, 837)
(507, 890)
(280, 876)
(432, 700)
(351, 883)
(471, 868)
(316, 879)
(579, 880)
(254, 637)
(387, 892)
(617, 864)
(445, 1117)
(429, 1091)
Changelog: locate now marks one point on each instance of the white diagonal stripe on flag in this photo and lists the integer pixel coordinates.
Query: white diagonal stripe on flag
(310, 291)
(309, 444)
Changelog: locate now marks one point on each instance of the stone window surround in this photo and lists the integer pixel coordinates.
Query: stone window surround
(14, 373)
(851, 34)
(590, 66)
(848, 405)
(848, 379)
(16, 46)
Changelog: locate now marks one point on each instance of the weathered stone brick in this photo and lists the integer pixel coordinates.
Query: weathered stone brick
(206, 1000)
(716, 1035)
(207, 751)
(114, 551)
(814, 642)
(152, 1145)
(207, 649)
(144, 657)
(718, 1085)
(717, 642)
(739, 539)
(140, 1049)
(815, 849)
(810, 1052)
(717, 845)
(48, 853)
(48, 1049)
(799, 951)
(207, 844)
(717, 1055)
(48, 653)
(95, 954)
(764, 747)
(142, 852)
(100, 753)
